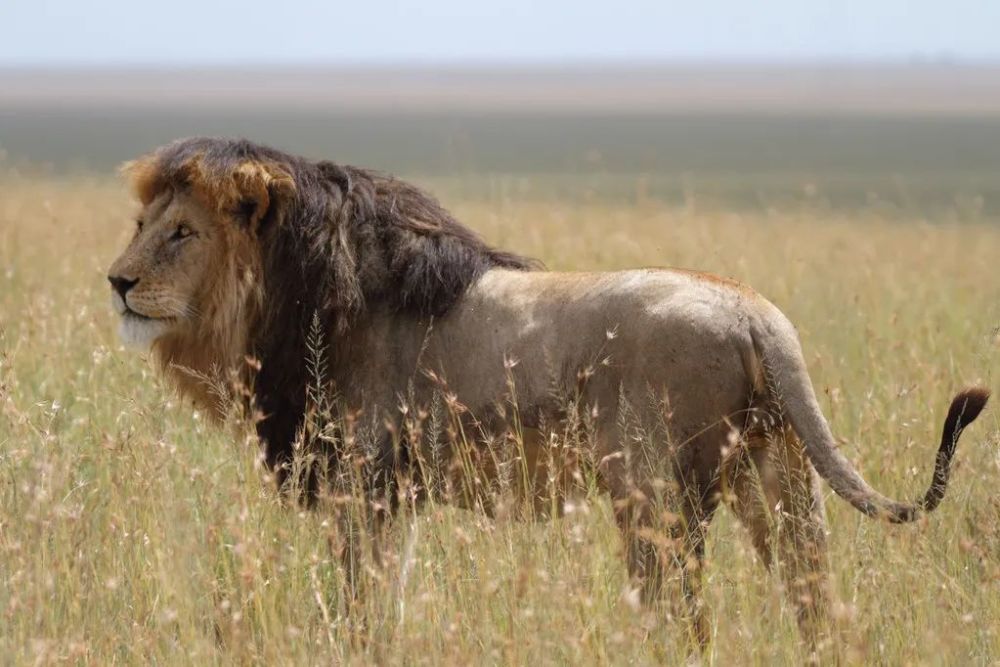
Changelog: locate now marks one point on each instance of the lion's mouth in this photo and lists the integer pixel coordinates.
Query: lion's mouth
(136, 316)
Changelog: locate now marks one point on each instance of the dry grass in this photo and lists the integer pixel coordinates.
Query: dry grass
(132, 532)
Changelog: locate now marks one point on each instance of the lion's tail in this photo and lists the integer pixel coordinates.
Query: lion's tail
(778, 348)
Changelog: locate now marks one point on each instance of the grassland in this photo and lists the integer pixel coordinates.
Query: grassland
(908, 164)
(132, 532)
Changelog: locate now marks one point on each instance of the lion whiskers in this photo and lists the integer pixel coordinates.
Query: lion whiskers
(185, 309)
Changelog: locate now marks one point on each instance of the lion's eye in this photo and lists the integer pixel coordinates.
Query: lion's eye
(138, 226)
(181, 233)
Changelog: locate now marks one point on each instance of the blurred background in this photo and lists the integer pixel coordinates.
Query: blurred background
(888, 104)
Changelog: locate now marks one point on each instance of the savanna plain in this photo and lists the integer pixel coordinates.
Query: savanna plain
(132, 531)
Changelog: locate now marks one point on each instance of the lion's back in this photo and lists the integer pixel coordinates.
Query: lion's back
(638, 324)
(638, 299)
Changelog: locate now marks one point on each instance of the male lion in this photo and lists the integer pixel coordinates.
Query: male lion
(247, 261)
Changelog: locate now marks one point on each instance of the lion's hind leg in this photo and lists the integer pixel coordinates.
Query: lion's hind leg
(752, 493)
(662, 547)
(774, 492)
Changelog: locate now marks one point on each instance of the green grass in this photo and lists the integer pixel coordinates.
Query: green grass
(132, 531)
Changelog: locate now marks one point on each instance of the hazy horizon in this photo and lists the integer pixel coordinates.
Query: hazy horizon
(902, 89)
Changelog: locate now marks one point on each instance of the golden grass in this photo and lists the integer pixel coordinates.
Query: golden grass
(133, 532)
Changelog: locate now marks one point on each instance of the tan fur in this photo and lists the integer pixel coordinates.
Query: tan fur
(251, 179)
(692, 389)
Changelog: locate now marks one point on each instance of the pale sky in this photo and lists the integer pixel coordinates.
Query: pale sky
(196, 32)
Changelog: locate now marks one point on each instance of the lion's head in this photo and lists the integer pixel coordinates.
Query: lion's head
(239, 248)
(167, 274)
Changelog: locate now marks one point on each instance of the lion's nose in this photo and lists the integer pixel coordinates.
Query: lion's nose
(122, 285)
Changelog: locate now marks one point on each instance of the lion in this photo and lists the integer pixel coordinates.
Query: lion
(690, 390)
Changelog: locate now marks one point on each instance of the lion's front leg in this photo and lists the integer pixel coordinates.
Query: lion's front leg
(357, 544)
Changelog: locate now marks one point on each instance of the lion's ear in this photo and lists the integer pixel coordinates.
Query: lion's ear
(148, 178)
(261, 191)
(144, 177)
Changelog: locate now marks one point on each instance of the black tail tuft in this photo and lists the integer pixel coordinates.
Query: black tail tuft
(967, 406)
(964, 409)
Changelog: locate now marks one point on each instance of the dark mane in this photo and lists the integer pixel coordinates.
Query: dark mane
(352, 237)
(325, 241)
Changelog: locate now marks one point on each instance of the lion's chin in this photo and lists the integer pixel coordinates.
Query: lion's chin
(140, 332)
